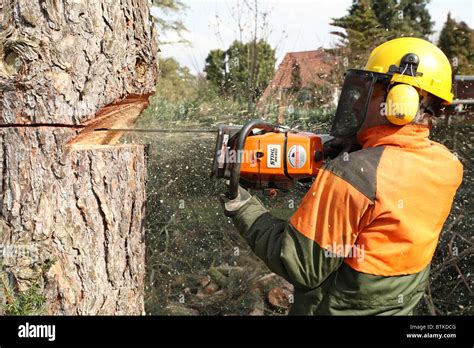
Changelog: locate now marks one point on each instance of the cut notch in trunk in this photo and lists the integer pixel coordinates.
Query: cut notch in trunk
(122, 114)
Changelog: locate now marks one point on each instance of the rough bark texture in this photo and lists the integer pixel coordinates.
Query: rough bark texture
(65, 59)
(80, 211)
(71, 218)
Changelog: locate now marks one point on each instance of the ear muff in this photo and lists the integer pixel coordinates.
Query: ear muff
(402, 104)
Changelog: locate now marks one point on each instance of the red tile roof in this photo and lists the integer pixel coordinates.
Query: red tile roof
(315, 68)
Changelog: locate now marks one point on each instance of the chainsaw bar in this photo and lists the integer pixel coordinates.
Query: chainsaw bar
(143, 130)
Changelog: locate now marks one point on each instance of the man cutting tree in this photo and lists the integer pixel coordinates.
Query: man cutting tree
(362, 240)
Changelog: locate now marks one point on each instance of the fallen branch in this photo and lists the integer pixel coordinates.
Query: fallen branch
(450, 262)
(218, 277)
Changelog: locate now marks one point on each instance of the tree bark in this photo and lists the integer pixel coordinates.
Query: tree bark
(80, 211)
(71, 215)
(65, 59)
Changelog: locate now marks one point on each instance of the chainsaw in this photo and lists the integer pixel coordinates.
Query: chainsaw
(263, 156)
(260, 155)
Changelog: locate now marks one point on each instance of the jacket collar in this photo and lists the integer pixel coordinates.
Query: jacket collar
(409, 136)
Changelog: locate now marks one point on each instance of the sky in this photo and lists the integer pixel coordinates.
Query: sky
(294, 25)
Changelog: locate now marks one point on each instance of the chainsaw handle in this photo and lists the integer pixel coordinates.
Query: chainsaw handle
(243, 134)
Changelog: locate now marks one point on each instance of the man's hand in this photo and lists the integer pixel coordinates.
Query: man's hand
(232, 206)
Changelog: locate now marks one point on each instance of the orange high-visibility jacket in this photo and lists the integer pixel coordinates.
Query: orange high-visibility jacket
(363, 237)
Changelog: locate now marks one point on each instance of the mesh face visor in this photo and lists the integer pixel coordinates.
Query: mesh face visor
(354, 101)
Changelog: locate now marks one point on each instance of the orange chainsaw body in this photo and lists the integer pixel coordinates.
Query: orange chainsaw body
(278, 159)
(260, 155)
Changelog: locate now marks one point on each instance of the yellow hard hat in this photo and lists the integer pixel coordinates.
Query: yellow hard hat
(414, 62)
(410, 69)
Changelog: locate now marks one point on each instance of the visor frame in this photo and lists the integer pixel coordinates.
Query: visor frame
(365, 76)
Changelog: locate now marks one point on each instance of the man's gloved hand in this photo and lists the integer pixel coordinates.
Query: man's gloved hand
(232, 206)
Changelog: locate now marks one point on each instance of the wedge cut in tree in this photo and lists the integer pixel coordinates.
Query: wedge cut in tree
(72, 200)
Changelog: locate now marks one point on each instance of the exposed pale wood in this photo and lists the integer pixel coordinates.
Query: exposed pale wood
(120, 115)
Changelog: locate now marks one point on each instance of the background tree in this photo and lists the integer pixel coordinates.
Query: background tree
(216, 72)
(404, 17)
(457, 42)
(245, 60)
(372, 22)
(363, 32)
(176, 82)
(231, 73)
(296, 82)
(169, 21)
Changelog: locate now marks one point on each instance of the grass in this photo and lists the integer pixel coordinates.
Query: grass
(29, 302)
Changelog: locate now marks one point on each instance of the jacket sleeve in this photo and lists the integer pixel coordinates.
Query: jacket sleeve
(314, 243)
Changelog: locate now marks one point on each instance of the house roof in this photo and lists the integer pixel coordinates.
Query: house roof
(315, 68)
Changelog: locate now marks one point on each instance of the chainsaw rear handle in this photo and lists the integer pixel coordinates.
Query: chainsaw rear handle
(243, 134)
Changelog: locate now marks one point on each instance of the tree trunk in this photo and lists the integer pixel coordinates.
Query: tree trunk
(71, 202)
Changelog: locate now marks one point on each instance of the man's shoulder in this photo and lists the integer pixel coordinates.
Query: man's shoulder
(450, 159)
(442, 149)
(358, 168)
